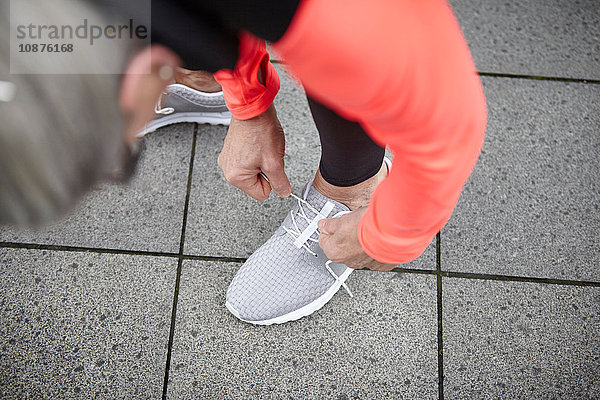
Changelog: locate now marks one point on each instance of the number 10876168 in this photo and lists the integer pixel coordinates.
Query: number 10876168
(46, 48)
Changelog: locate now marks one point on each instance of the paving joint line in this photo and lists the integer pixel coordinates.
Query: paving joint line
(194, 257)
(511, 278)
(440, 331)
(101, 250)
(81, 249)
(415, 271)
(214, 258)
(179, 265)
(515, 76)
(538, 77)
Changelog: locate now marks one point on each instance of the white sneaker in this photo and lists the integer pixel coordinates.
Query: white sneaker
(289, 276)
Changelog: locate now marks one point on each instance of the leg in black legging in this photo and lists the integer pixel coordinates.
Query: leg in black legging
(348, 155)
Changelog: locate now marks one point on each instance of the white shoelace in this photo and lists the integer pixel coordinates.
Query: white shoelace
(158, 107)
(296, 233)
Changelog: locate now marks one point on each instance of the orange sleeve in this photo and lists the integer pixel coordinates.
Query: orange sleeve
(245, 96)
(406, 74)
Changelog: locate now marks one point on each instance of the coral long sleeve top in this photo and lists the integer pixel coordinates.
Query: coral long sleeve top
(403, 70)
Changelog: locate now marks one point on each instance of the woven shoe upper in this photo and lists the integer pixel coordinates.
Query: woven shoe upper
(279, 277)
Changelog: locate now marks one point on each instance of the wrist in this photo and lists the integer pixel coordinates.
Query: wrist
(266, 117)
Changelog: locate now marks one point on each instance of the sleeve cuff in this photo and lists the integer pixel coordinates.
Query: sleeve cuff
(245, 96)
(386, 242)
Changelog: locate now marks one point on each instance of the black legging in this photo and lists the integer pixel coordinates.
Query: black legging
(348, 155)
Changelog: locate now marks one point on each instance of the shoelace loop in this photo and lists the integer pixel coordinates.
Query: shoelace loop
(158, 107)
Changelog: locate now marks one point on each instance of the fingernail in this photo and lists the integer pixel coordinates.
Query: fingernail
(166, 73)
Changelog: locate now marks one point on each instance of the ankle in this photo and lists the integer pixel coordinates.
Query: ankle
(354, 197)
(199, 80)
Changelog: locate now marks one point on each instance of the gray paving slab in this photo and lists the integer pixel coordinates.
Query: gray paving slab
(380, 344)
(83, 325)
(144, 215)
(531, 207)
(507, 340)
(551, 38)
(222, 220)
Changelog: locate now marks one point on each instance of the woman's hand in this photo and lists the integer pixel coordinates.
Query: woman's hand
(340, 244)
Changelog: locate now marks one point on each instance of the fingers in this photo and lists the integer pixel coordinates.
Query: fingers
(140, 90)
(340, 244)
(252, 156)
(328, 226)
(328, 248)
(255, 186)
(258, 189)
(277, 178)
(329, 241)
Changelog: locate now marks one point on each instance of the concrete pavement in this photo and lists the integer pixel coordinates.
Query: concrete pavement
(125, 298)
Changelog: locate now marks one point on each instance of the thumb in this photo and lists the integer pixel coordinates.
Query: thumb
(328, 226)
(279, 182)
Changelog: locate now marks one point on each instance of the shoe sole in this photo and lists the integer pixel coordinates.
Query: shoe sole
(223, 118)
(303, 311)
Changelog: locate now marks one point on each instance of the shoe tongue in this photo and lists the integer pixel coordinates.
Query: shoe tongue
(318, 201)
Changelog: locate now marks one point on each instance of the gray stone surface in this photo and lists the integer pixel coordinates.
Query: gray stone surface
(506, 340)
(552, 38)
(380, 344)
(223, 221)
(531, 207)
(143, 215)
(96, 326)
(87, 326)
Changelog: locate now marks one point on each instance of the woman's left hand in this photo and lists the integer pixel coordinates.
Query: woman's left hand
(340, 244)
